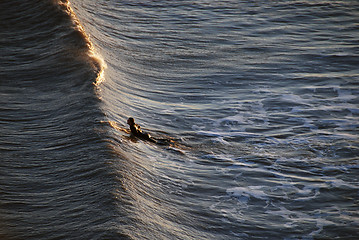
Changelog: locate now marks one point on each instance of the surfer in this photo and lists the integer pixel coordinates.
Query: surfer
(136, 131)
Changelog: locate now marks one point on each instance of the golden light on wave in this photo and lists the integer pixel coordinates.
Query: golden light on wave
(97, 61)
(114, 125)
(102, 66)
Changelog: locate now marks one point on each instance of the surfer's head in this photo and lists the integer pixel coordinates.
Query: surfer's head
(131, 121)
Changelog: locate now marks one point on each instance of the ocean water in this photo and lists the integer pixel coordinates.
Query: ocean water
(259, 99)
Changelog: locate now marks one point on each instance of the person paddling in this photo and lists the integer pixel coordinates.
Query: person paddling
(136, 131)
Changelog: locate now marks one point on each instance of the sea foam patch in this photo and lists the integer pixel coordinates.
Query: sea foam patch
(294, 99)
(256, 192)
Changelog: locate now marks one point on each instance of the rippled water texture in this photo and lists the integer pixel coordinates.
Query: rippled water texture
(259, 99)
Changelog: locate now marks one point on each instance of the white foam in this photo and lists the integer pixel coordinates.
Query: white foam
(296, 217)
(339, 183)
(221, 140)
(248, 192)
(197, 128)
(294, 98)
(227, 134)
(236, 119)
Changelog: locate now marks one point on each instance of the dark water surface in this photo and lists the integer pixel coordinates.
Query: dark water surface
(260, 99)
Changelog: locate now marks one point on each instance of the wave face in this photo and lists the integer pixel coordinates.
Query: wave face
(259, 98)
(54, 182)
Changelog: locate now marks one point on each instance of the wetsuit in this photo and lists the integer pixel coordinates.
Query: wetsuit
(136, 130)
